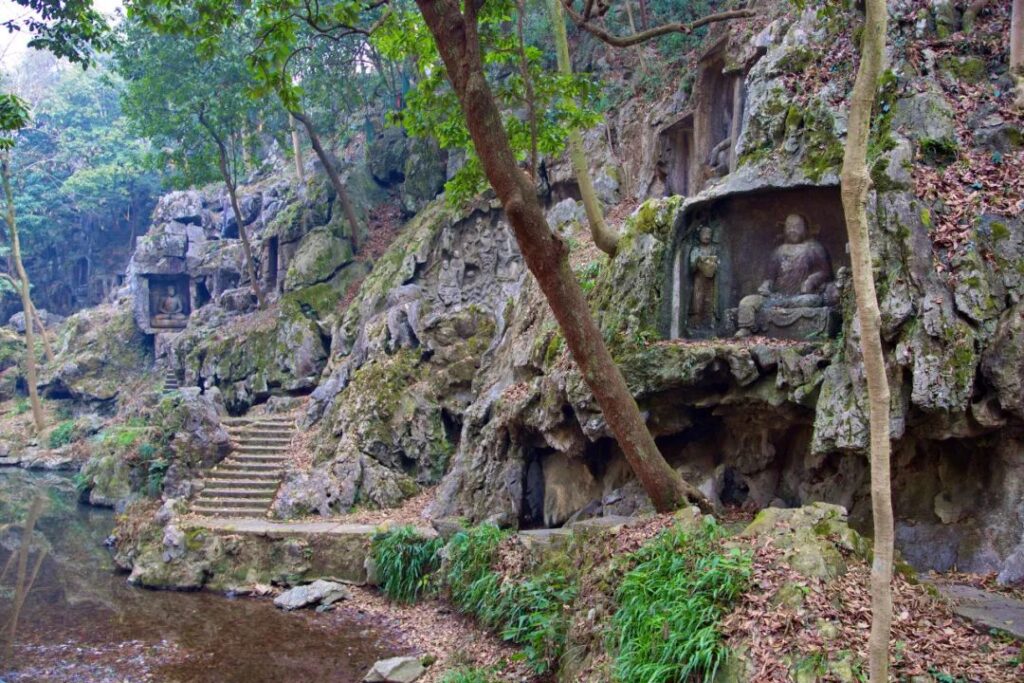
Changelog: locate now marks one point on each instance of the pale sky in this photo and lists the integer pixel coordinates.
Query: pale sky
(13, 45)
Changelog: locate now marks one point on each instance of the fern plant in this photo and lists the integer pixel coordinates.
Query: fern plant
(669, 605)
(405, 561)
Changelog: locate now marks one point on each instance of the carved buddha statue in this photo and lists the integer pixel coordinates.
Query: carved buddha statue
(704, 262)
(799, 272)
(170, 310)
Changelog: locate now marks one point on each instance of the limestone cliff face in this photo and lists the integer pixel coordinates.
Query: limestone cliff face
(445, 366)
(770, 422)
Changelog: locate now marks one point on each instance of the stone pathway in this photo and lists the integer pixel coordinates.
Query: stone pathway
(245, 483)
(990, 610)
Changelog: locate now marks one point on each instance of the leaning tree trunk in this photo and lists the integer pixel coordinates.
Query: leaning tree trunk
(604, 237)
(26, 299)
(546, 256)
(47, 348)
(225, 172)
(332, 173)
(297, 150)
(856, 182)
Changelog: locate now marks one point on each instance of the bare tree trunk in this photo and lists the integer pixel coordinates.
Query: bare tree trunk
(225, 172)
(42, 333)
(546, 256)
(856, 183)
(970, 17)
(23, 583)
(606, 239)
(332, 173)
(1017, 48)
(26, 299)
(300, 171)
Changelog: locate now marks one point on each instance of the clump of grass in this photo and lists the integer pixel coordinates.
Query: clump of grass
(669, 605)
(405, 561)
(468, 675)
(530, 612)
(62, 434)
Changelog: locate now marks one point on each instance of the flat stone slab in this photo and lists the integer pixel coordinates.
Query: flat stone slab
(320, 591)
(243, 525)
(990, 610)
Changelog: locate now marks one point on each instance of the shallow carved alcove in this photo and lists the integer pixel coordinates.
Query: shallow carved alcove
(766, 263)
(169, 304)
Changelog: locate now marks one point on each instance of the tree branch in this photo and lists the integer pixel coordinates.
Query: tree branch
(584, 23)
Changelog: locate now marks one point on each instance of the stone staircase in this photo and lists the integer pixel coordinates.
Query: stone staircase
(170, 381)
(244, 484)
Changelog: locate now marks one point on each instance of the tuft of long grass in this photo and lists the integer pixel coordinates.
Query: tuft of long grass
(468, 675)
(405, 562)
(665, 629)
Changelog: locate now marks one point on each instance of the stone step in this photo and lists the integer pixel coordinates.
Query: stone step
(269, 442)
(262, 474)
(253, 481)
(223, 502)
(232, 469)
(258, 458)
(260, 449)
(214, 511)
(266, 495)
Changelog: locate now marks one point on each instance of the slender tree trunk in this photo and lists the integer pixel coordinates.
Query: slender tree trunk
(43, 333)
(300, 171)
(332, 173)
(606, 239)
(26, 299)
(225, 172)
(856, 183)
(546, 256)
(1017, 48)
(524, 69)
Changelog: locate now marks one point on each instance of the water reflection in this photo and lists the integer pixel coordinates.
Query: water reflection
(79, 621)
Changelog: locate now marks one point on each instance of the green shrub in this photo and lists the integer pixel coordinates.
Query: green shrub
(405, 560)
(530, 612)
(22, 406)
(62, 434)
(669, 605)
(467, 675)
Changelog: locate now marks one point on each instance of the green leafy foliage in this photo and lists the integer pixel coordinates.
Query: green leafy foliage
(62, 434)
(14, 116)
(670, 603)
(405, 560)
(562, 103)
(71, 29)
(185, 94)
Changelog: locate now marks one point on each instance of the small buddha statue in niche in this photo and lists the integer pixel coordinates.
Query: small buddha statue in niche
(170, 309)
(704, 262)
(799, 272)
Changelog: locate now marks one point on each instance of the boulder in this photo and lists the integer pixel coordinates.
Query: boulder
(387, 156)
(395, 670)
(424, 174)
(319, 592)
(319, 256)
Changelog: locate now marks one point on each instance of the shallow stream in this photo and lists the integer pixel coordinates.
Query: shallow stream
(82, 622)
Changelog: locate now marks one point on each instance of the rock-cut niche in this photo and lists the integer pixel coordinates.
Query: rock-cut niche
(169, 304)
(763, 263)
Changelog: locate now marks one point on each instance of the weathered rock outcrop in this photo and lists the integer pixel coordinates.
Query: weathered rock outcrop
(97, 351)
(405, 354)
